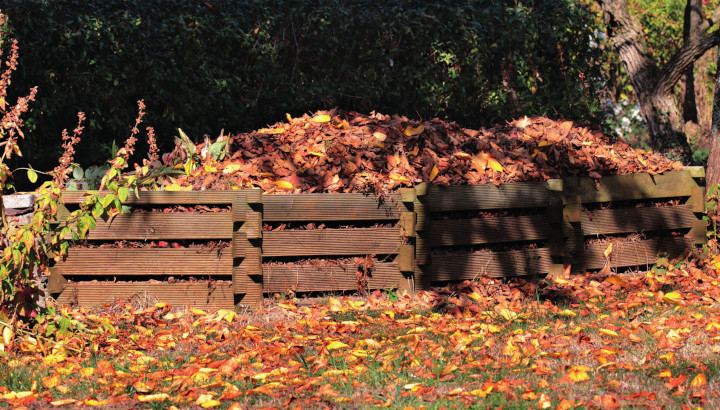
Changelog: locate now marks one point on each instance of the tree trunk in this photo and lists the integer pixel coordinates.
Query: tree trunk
(654, 86)
(658, 107)
(713, 166)
(691, 22)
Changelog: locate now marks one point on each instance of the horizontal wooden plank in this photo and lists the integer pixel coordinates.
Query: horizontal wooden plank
(478, 231)
(630, 187)
(331, 207)
(616, 221)
(167, 226)
(165, 197)
(203, 294)
(487, 196)
(455, 266)
(152, 261)
(641, 253)
(310, 278)
(317, 242)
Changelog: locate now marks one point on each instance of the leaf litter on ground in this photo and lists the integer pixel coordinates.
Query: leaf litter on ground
(587, 341)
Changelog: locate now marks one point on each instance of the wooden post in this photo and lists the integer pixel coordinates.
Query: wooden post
(406, 252)
(422, 251)
(247, 249)
(557, 237)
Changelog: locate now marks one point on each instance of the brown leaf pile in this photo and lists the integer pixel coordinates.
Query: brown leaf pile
(335, 151)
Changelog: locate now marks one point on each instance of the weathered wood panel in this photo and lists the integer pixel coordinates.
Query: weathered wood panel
(487, 196)
(215, 294)
(618, 221)
(331, 207)
(642, 253)
(152, 261)
(309, 278)
(319, 242)
(478, 231)
(155, 226)
(457, 266)
(631, 187)
(166, 197)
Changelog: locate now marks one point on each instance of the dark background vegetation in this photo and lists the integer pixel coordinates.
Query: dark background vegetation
(209, 65)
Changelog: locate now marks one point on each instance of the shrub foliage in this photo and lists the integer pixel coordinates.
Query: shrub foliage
(237, 65)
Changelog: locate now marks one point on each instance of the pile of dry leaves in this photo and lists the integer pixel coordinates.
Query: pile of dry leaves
(335, 151)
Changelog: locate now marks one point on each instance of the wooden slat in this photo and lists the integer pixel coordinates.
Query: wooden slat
(331, 207)
(217, 294)
(631, 187)
(164, 197)
(640, 253)
(351, 241)
(155, 226)
(489, 230)
(153, 261)
(309, 278)
(487, 196)
(494, 264)
(616, 221)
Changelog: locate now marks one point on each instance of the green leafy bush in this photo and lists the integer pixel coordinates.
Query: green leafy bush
(240, 65)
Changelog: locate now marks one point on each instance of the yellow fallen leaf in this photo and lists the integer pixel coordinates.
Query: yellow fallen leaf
(608, 332)
(153, 397)
(673, 298)
(567, 313)
(544, 143)
(578, 373)
(474, 296)
(433, 173)
(176, 187)
(206, 401)
(608, 251)
(8, 335)
(334, 305)
(231, 168)
(380, 136)
(321, 118)
(507, 314)
(494, 164)
(410, 131)
(284, 185)
(398, 177)
(63, 402)
(616, 280)
(198, 312)
(271, 130)
(334, 345)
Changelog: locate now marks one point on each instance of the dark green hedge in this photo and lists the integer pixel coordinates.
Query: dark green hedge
(207, 65)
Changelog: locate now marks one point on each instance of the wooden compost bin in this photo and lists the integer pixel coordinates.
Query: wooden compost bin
(93, 271)
(550, 226)
(417, 237)
(287, 254)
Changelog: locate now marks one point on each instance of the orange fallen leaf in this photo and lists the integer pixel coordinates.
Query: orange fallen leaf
(699, 381)
(433, 173)
(411, 131)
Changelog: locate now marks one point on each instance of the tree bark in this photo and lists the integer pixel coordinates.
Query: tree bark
(653, 85)
(712, 176)
(691, 21)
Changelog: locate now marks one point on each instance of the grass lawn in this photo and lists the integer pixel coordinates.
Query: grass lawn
(636, 340)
